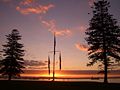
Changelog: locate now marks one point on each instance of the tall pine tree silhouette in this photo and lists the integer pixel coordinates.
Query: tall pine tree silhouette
(12, 63)
(103, 37)
(0, 55)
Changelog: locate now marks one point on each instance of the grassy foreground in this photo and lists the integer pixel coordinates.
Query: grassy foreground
(49, 85)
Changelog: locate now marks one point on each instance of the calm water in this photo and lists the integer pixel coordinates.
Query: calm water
(114, 80)
(87, 80)
(70, 75)
(74, 75)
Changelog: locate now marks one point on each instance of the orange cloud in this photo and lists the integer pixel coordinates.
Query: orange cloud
(91, 2)
(62, 32)
(32, 7)
(26, 2)
(81, 47)
(50, 24)
(52, 27)
(35, 10)
(82, 29)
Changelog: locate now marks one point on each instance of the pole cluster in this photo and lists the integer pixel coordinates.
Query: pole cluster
(54, 55)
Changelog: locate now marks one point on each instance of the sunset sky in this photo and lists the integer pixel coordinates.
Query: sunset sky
(36, 21)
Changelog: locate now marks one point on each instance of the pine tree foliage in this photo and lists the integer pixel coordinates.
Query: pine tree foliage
(0, 55)
(103, 36)
(13, 61)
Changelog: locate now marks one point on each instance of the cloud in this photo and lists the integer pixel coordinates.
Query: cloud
(41, 9)
(32, 7)
(52, 27)
(82, 29)
(27, 2)
(91, 2)
(35, 68)
(50, 24)
(34, 63)
(62, 32)
(81, 47)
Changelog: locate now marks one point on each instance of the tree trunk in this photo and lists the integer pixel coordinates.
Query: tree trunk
(105, 59)
(105, 71)
(105, 66)
(9, 77)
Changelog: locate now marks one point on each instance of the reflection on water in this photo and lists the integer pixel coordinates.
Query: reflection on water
(112, 80)
(69, 75)
(89, 80)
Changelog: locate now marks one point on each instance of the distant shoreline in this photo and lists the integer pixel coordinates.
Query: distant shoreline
(62, 78)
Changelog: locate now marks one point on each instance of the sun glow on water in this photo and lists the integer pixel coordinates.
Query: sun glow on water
(43, 75)
(65, 74)
(51, 75)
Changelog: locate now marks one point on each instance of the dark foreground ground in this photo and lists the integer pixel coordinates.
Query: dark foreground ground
(49, 85)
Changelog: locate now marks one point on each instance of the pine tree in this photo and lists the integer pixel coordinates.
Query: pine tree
(103, 37)
(13, 61)
(0, 55)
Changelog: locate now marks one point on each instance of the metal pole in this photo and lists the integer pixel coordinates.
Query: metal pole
(54, 58)
(53, 67)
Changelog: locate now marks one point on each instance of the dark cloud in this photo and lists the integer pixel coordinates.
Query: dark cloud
(33, 64)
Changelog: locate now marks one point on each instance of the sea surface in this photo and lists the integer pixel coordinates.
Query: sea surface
(73, 75)
(70, 75)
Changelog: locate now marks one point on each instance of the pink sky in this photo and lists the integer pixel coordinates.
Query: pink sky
(38, 19)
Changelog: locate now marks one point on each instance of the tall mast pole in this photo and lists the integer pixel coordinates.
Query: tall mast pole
(54, 57)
